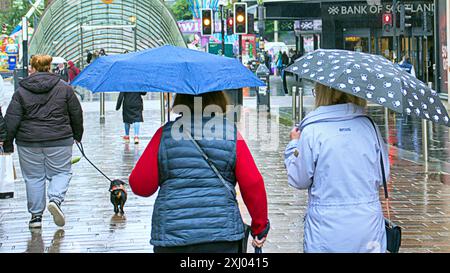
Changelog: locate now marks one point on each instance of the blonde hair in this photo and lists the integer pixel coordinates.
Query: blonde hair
(41, 63)
(326, 95)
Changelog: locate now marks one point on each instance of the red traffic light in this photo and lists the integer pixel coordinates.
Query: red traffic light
(387, 19)
(230, 21)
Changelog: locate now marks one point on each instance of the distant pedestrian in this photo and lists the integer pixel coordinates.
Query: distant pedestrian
(95, 55)
(406, 65)
(73, 71)
(344, 212)
(133, 105)
(62, 72)
(88, 57)
(44, 117)
(196, 209)
(268, 60)
(279, 63)
(284, 62)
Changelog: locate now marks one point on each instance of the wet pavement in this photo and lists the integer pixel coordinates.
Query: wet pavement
(420, 200)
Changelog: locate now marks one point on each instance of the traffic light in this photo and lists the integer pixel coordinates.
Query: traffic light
(387, 21)
(230, 25)
(405, 18)
(4, 28)
(240, 18)
(207, 22)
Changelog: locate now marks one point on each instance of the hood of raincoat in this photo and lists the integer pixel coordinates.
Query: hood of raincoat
(40, 82)
(330, 113)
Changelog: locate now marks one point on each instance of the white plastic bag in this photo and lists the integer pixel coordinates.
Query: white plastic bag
(6, 176)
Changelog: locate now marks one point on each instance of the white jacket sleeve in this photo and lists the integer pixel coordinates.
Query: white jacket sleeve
(299, 162)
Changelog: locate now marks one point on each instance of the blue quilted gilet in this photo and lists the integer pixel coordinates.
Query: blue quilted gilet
(193, 206)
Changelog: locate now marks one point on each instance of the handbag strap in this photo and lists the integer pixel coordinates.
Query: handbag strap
(211, 164)
(382, 168)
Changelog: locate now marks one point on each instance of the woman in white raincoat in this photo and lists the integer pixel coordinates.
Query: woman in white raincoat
(335, 154)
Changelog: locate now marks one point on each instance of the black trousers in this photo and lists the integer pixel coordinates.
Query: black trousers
(214, 247)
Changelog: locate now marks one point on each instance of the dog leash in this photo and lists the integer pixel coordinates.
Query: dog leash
(80, 147)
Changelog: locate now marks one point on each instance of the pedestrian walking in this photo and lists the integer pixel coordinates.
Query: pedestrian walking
(285, 62)
(44, 117)
(268, 61)
(279, 63)
(196, 209)
(73, 71)
(95, 55)
(62, 72)
(344, 212)
(133, 106)
(406, 65)
(89, 56)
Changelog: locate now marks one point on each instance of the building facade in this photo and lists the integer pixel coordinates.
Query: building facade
(358, 25)
(70, 28)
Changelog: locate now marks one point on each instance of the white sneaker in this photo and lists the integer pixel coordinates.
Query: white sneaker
(58, 215)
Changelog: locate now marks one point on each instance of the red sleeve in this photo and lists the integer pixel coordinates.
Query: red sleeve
(144, 179)
(252, 186)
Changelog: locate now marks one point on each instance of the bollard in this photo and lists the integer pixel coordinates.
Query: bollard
(294, 103)
(162, 106)
(102, 108)
(430, 123)
(425, 139)
(300, 104)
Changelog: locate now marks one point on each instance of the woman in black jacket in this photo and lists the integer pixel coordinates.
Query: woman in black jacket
(44, 118)
(133, 106)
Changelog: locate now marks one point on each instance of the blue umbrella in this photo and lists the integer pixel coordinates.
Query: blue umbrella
(166, 69)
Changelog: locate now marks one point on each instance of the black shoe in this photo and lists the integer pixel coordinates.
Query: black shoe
(36, 221)
(58, 215)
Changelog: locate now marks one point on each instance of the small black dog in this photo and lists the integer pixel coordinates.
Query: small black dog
(118, 195)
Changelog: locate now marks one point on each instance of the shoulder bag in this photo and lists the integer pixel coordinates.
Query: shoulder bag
(393, 231)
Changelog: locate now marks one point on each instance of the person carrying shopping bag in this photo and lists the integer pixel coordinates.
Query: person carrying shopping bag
(44, 118)
(196, 209)
(344, 212)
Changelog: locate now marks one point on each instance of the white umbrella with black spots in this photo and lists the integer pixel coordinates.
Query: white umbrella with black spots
(374, 78)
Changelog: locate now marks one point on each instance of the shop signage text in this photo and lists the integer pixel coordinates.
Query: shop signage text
(337, 10)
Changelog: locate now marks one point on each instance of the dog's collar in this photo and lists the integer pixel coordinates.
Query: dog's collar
(118, 187)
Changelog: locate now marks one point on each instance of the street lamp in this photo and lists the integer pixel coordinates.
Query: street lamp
(132, 19)
(25, 46)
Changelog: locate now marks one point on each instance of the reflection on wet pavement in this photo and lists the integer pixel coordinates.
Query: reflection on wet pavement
(420, 202)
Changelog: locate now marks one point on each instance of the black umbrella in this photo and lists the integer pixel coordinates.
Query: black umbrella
(374, 78)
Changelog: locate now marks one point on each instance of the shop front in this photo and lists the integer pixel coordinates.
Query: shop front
(358, 26)
(443, 44)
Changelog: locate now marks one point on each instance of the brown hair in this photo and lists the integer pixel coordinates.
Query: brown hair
(41, 63)
(326, 95)
(218, 98)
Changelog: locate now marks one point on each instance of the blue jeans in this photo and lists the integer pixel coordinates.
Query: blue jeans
(137, 126)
